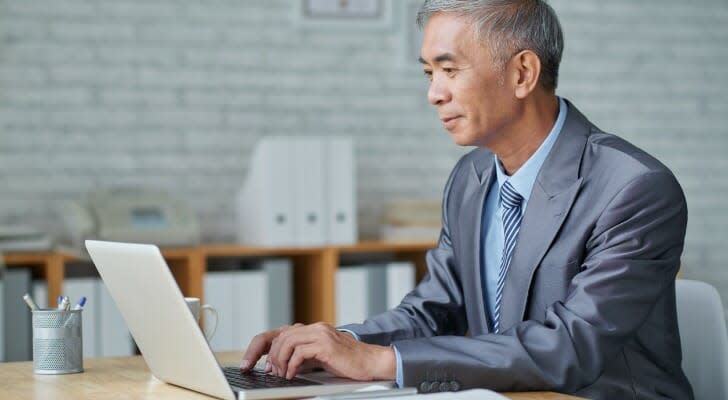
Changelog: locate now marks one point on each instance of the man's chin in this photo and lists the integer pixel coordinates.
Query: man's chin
(461, 139)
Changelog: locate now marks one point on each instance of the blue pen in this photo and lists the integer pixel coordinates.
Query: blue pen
(59, 301)
(80, 304)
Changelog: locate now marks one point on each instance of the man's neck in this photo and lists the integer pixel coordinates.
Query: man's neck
(527, 133)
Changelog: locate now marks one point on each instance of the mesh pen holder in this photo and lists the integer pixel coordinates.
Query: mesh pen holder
(57, 342)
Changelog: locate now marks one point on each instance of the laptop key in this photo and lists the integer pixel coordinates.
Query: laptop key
(254, 379)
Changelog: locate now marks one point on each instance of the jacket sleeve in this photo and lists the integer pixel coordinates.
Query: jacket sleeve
(435, 307)
(631, 259)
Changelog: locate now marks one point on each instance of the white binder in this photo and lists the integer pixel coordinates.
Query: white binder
(40, 293)
(114, 337)
(265, 202)
(352, 294)
(219, 293)
(75, 288)
(251, 293)
(340, 190)
(307, 177)
(400, 281)
(299, 192)
(240, 298)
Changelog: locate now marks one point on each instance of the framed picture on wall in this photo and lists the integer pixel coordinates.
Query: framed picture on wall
(343, 14)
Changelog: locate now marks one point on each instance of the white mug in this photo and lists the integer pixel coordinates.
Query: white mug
(193, 303)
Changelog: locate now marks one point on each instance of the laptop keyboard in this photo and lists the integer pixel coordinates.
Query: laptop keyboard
(254, 379)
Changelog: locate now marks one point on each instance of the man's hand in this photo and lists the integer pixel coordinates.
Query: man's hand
(320, 344)
(261, 345)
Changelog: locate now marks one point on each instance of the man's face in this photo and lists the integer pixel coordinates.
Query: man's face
(474, 99)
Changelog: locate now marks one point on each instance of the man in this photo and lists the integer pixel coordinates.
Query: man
(560, 243)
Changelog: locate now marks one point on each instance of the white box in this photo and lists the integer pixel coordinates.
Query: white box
(352, 294)
(219, 293)
(400, 281)
(341, 191)
(114, 337)
(74, 288)
(307, 178)
(251, 310)
(265, 202)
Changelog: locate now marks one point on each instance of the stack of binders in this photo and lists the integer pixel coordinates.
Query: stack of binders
(299, 192)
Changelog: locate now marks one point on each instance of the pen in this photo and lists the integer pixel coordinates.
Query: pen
(80, 304)
(63, 304)
(29, 301)
(370, 394)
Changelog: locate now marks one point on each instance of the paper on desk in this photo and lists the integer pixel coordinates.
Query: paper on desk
(472, 394)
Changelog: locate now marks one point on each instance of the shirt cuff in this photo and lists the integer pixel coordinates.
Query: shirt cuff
(400, 374)
(358, 339)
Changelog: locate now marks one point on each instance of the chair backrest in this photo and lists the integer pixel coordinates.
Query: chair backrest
(703, 338)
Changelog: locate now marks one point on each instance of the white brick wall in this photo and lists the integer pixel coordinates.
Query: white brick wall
(174, 94)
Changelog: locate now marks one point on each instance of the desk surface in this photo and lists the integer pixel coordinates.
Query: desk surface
(125, 378)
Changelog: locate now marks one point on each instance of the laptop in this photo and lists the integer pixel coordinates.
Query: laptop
(172, 343)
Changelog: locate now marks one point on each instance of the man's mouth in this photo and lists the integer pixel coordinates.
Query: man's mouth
(450, 121)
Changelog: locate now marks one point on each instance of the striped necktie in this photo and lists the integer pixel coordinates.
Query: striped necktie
(511, 204)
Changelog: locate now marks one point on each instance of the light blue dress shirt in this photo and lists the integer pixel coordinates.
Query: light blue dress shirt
(491, 234)
(492, 227)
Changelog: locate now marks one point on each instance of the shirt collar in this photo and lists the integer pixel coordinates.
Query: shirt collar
(523, 180)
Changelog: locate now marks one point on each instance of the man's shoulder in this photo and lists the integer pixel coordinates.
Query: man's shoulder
(606, 151)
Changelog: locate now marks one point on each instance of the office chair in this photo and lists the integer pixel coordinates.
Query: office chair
(703, 337)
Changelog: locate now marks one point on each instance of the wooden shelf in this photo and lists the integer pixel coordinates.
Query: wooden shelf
(314, 269)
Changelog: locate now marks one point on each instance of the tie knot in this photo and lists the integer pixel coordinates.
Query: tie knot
(509, 197)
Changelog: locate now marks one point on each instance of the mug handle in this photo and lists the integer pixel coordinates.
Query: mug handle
(209, 328)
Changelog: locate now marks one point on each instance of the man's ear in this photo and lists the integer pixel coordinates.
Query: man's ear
(527, 71)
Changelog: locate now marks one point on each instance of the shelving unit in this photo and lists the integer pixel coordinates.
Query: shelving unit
(314, 269)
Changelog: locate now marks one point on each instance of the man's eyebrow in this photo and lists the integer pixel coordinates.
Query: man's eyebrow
(441, 58)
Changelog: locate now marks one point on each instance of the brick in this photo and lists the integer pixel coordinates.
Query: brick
(174, 32)
(138, 97)
(138, 10)
(48, 97)
(65, 8)
(45, 53)
(91, 74)
(91, 31)
(138, 54)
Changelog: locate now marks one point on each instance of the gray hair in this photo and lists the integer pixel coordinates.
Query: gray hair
(509, 26)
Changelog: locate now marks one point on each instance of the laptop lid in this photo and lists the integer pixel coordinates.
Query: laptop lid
(173, 345)
(155, 312)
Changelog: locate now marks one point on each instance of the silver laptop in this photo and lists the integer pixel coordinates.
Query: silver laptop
(172, 343)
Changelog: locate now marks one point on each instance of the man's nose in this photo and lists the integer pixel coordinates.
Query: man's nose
(437, 93)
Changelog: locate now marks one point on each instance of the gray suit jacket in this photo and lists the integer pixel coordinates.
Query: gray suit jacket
(589, 299)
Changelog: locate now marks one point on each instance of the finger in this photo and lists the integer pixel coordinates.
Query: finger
(257, 347)
(301, 354)
(260, 345)
(285, 344)
(275, 346)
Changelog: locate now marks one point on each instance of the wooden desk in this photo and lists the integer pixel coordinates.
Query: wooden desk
(126, 378)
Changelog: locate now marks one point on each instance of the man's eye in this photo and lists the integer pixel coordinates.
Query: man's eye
(449, 71)
(428, 74)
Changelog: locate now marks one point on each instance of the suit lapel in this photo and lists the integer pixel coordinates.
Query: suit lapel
(479, 181)
(556, 187)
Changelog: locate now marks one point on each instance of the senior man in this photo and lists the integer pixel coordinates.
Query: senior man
(560, 243)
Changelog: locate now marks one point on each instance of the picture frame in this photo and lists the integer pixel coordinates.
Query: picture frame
(343, 14)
